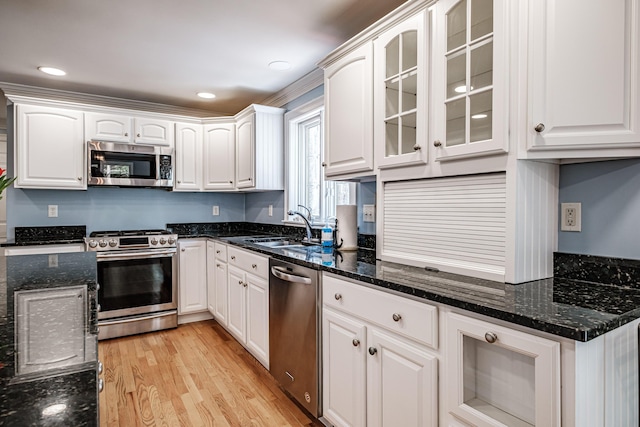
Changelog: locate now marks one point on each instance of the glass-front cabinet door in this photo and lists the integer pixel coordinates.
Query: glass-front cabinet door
(400, 93)
(499, 377)
(470, 73)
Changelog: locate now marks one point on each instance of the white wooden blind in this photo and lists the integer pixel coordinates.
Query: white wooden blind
(455, 224)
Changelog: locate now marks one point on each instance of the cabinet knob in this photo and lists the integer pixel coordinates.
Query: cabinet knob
(138, 135)
(373, 351)
(355, 342)
(218, 251)
(417, 147)
(100, 385)
(182, 249)
(491, 337)
(218, 265)
(338, 297)
(100, 367)
(179, 182)
(396, 317)
(245, 284)
(79, 178)
(99, 307)
(254, 266)
(239, 282)
(126, 134)
(324, 164)
(539, 127)
(437, 143)
(230, 182)
(233, 257)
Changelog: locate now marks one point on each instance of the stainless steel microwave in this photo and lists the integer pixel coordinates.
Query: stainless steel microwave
(129, 165)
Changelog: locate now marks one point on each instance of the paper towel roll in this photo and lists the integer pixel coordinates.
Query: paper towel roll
(347, 217)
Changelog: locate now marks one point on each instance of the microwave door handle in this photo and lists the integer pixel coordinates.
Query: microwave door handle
(120, 256)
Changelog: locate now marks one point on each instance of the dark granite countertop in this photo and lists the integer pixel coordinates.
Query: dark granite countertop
(66, 394)
(569, 307)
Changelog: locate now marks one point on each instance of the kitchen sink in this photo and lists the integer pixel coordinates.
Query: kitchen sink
(279, 242)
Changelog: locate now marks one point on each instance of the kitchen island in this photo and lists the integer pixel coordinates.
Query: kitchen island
(48, 340)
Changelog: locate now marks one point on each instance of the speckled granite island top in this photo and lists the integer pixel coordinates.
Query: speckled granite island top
(34, 391)
(594, 296)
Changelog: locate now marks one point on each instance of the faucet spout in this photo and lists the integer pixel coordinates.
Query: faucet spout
(306, 223)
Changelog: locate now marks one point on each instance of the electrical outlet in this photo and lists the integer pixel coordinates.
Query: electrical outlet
(571, 217)
(52, 211)
(216, 210)
(369, 213)
(270, 210)
(53, 260)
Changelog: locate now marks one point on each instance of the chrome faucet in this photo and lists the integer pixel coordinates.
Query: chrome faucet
(306, 223)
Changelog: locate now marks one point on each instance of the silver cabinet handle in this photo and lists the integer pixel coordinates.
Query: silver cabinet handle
(437, 143)
(539, 127)
(355, 342)
(283, 274)
(100, 385)
(417, 147)
(373, 351)
(338, 297)
(396, 317)
(491, 337)
(100, 367)
(254, 266)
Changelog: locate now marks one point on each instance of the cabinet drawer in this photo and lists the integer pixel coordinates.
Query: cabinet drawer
(249, 262)
(221, 251)
(407, 317)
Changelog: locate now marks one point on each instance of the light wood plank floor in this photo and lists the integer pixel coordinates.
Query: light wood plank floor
(195, 375)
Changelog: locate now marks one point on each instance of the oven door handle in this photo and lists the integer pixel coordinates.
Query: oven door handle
(120, 256)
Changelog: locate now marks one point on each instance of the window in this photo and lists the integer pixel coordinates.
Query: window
(305, 179)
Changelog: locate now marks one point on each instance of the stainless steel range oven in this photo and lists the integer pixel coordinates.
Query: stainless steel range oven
(137, 277)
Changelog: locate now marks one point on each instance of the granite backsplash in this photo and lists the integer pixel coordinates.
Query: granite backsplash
(597, 269)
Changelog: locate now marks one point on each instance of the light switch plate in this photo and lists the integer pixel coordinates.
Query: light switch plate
(216, 210)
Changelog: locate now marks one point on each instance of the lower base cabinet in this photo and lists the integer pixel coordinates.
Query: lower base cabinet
(192, 276)
(373, 376)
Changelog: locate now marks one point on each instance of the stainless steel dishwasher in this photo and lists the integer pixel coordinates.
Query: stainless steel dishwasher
(294, 332)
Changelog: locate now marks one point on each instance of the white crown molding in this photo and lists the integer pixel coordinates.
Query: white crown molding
(296, 89)
(20, 92)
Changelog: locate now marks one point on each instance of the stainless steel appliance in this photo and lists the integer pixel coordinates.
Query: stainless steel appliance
(294, 332)
(137, 278)
(129, 165)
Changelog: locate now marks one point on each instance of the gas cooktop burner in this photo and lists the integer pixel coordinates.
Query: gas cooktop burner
(119, 233)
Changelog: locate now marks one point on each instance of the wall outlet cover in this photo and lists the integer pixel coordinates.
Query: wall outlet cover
(571, 217)
(368, 213)
(52, 211)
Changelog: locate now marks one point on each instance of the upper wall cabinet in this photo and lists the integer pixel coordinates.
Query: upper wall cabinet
(188, 157)
(219, 155)
(120, 128)
(584, 78)
(400, 93)
(470, 79)
(49, 148)
(260, 148)
(348, 97)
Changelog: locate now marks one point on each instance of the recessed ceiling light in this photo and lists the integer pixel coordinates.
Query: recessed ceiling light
(479, 116)
(279, 65)
(206, 95)
(52, 71)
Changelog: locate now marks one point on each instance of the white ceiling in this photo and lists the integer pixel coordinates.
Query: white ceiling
(165, 51)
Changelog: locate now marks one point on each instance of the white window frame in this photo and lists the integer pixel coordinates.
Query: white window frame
(292, 119)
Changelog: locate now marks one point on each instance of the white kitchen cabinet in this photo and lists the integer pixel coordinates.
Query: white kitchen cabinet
(377, 370)
(348, 98)
(470, 78)
(218, 283)
(188, 157)
(128, 129)
(248, 291)
(498, 376)
(51, 330)
(49, 148)
(400, 93)
(260, 148)
(219, 155)
(192, 276)
(583, 74)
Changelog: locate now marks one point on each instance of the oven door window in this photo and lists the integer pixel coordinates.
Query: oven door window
(105, 164)
(134, 283)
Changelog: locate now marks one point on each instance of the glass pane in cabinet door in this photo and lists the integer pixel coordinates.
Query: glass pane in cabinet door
(409, 92)
(457, 26)
(456, 122)
(408, 135)
(499, 382)
(482, 66)
(391, 137)
(392, 51)
(409, 50)
(481, 116)
(481, 18)
(456, 74)
(392, 94)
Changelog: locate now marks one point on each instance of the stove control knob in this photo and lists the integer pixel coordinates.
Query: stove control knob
(154, 241)
(93, 243)
(163, 241)
(113, 243)
(103, 243)
(171, 240)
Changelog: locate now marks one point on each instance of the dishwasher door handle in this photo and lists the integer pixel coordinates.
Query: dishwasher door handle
(281, 273)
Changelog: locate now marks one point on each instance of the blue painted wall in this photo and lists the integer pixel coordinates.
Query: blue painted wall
(257, 207)
(610, 196)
